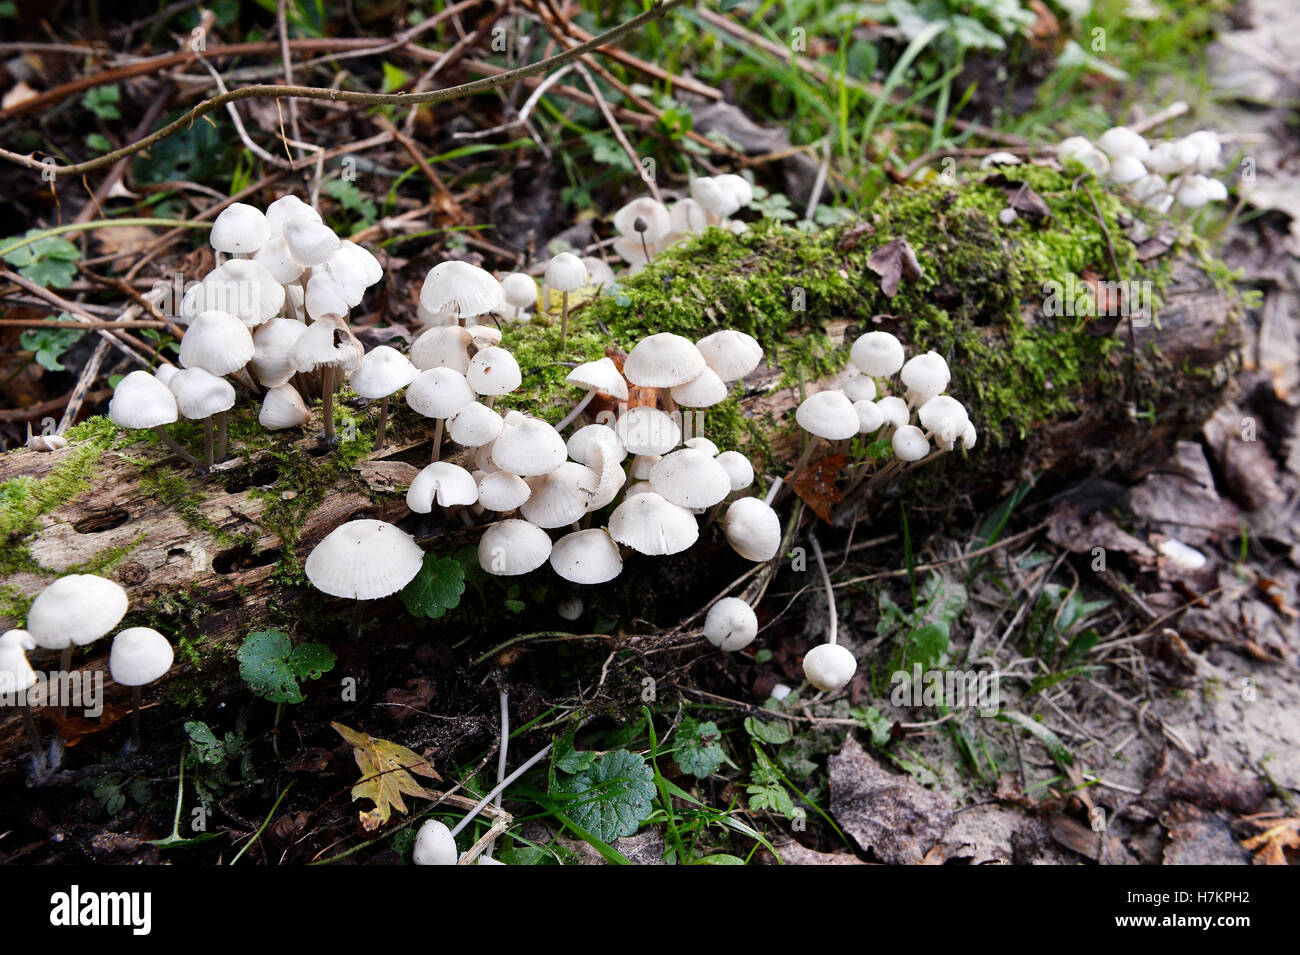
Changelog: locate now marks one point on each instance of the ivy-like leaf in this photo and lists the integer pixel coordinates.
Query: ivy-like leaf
(775, 732)
(49, 262)
(272, 666)
(699, 749)
(48, 344)
(615, 795)
(436, 589)
(386, 769)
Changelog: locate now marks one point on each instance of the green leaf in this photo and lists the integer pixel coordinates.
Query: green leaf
(776, 732)
(49, 262)
(49, 344)
(925, 645)
(615, 795)
(102, 101)
(569, 760)
(272, 666)
(1060, 753)
(436, 589)
(352, 200)
(871, 720)
(198, 152)
(767, 792)
(699, 750)
(394, 77)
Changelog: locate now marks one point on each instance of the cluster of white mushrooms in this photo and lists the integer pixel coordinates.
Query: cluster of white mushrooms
(74, 611)
(646, 226)
(1156, 175)
(537, 485)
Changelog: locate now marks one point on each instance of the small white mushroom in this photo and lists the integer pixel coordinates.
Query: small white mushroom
(731, 624)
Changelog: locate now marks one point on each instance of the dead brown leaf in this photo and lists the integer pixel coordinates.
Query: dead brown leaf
(893, 262)
(816, 484)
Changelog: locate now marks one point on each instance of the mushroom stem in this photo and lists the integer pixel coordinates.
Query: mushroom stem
(383, 424)
(356, 620)
(223, 434)
(564, 316)
(133, 744)
(805, 457)
(437, 438)
(645, 247)
(773, 491)
(327, 397)
(33, 740)
(502, 751)
(180, 452)
(830, 591)
(577, 410)
(207, 443)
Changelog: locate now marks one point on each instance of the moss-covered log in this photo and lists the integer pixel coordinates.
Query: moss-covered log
(208, 559)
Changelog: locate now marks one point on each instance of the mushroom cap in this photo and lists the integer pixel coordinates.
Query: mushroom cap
(731, 354)
(1184, 559)
(870, 417)
(519, 289)
(283, 407)
(244, 288)
(604, 462)
(310, 241)
(325, 296)
(690, 478)
(201, 394)
(599, 274)
(512, 547)
(1120, 141)
(969, 437)
(1208, 147)
(443, 346)
(217, 342)
(945, 416)
(328, 342)
(560, 496)
(703, 391)
(475, 425)
(894, 410)
(925, 375)
(76, 609)
(601, 375)
(633, 251)
(642, 465)
(859, 387)
(582, 441)
(1127, 169)
(443, 483)
(439, 393)
(276, 258)
(141, 401)
(587, 557)
(662, 361)
(287, 207)
(655, 214)
(877, 354)
(460, 287)
(738, 468)
(753, 529)
(139, 655)
(566, 273)
(364, 560)
(829, 415)
(731, 624)
(239, 228)
(716, 197)
(16, 674)
(272, 361)
(355, 269)
(910, 443)
(829, 666)
(494, 371)
(528, 447)
(502, 491)
(651, 525)
(701, 443)
(646, 430)
(688, 216)
(434, 845)
(383, 371)
(738, 186)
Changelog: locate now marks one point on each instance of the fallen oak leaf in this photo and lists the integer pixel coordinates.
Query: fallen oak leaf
(893, 262)
(386, 769)
(1270, 845)
(816, 484)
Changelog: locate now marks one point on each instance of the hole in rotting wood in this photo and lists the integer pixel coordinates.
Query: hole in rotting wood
(262, 476)
(102, 521)
(242, 558)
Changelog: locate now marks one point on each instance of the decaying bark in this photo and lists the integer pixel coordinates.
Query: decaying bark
(172, 555)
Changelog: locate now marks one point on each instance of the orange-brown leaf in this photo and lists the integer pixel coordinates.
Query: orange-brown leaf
(816, 484)
(386, 776)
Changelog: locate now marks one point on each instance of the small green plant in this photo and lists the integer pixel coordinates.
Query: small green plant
(112, 791)
(102, 101)
(436, 589)
(48, 345)
(218, 764)
(272, 666)
(50, 261)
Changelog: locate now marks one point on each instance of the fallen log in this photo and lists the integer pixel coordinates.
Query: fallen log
(1053, 390)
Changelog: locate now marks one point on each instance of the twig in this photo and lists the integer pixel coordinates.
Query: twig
(617, 131)
(657, 9)
(525, 111)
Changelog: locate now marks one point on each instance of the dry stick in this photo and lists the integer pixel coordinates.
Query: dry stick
(525, 111)
(830, 591)
(414, 151)
(657, 9)
(54, 404)
(501, 787)
(115, 174)
(618, 134)
(87, 377)
(286, 60)
(233, 113)
(119, 341)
